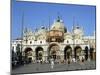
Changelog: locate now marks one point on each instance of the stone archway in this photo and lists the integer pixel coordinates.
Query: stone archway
(39, 53)
(77, 52)
(86, 52)
(67, 52)
(28, 54)
(53, 51)
(91, 53)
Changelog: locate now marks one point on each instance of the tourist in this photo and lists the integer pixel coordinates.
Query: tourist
(52, 63)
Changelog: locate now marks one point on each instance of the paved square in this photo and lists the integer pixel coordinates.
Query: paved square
(35, 68)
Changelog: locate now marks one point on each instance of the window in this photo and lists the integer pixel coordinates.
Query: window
(30, 42)
(67, 41)
(35, 40)
(26, 40)
(40, 41)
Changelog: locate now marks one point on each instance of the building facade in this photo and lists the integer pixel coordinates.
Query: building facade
(56, 42)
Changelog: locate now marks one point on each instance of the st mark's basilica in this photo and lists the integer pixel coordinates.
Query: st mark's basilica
(56, 42)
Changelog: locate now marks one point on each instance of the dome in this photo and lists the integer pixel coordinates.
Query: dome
(42, 30)
(78, 30)
(58, 25)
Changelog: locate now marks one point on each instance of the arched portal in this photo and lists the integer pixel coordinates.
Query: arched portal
(39, 53)
(53, 51)
(86, 52)
(91, 53)
(67, 52)
(28, 54)
(77, 52)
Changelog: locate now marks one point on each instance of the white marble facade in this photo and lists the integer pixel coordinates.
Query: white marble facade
(35, 42)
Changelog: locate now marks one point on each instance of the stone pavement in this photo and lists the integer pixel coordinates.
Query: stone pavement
(35, 68)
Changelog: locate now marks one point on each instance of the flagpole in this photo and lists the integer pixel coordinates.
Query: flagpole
(49, 35)
(73, 36)
(22, 34)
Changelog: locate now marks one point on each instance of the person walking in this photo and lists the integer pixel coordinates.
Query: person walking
(52, 63)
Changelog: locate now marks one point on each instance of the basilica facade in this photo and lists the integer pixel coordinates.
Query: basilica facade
(56, 42)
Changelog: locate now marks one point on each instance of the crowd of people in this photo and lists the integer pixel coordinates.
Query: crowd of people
(51, 61)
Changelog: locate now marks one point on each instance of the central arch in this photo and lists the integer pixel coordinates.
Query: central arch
(53, 51)
(39, 53)
(67, 52)
(77, 52)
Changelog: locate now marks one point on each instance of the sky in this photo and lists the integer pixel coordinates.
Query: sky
(37, 14)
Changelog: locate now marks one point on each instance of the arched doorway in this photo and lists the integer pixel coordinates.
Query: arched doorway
(53, 51)
(39, 53)
(67, 52)
(91, 53)
(28, 55)
(86, 52)
(77, 52)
